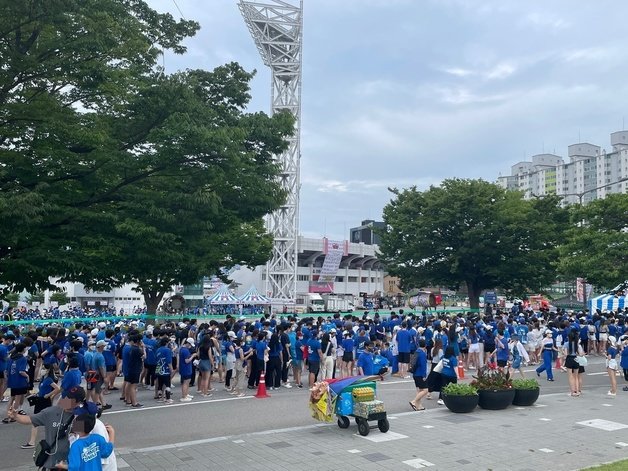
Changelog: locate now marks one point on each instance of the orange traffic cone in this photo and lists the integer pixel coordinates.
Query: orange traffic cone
(557, 366)
(261, 389)
(461, 370)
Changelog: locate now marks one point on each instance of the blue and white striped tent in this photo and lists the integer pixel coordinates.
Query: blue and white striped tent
(608, 302)
(222, 296)
(253, 298)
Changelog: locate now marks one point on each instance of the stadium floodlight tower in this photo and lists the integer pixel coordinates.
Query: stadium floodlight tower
(277, 28)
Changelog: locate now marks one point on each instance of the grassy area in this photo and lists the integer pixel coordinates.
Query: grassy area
(616, 466)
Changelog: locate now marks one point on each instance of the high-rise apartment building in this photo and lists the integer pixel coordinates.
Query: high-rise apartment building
(591, 172)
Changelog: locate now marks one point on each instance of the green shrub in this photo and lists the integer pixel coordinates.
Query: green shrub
(492, 380)
(525, 384)
(460, 389)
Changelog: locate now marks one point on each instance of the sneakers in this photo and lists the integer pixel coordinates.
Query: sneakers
(27, 446)
(189, 397)
(207, 395)
(440, 402)
(168, 401)
(137, 406)
(287, 386)
(611, 394)
(241, 395)
(300, 386)
(107, 407)
(185, 399)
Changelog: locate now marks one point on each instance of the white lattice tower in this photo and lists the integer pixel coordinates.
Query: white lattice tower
(277, 28)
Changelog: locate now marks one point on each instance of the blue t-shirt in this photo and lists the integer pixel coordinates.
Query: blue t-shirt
(365, 361)
(150, 346)
(502, 348)
(403, 341)
(45, 387)
(109, 353)
(14, 368)
(420, 367)
(126, 359)
(164, 360)
(624, 358)
(4, 356)
(348, 344)
(86, 453)
(448, 366)
(297, 350)
(313, 346)
(275, 351)
(260, 349)
(185, 369)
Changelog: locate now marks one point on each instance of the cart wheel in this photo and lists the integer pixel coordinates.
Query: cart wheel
(383, 425)
(363, 427)
(343, 422)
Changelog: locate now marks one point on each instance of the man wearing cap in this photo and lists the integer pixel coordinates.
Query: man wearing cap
(56, 421)
(185, 368)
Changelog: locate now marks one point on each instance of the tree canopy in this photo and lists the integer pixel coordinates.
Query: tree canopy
(112, 171)
(596, 244)
(473, 233)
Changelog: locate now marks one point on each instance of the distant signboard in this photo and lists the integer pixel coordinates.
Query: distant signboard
(490, 297)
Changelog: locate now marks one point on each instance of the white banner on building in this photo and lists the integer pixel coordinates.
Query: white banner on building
(334, 251)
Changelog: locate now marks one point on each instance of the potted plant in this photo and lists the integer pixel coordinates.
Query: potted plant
(460, 397)
(526, 391)
(494, 388)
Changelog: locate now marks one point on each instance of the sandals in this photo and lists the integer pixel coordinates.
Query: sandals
(21, 412)
(413, 406)
(7, 420)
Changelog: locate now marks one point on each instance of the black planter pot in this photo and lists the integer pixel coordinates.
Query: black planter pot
(461, 404)
(495, 399)
(525, 397)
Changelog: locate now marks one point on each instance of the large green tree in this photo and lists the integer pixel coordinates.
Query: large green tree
(212, 179)
(113, 171)
(68, 68)
(596, 243)
(472, 233)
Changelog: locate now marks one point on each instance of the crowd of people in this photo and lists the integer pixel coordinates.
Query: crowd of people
(170, 359)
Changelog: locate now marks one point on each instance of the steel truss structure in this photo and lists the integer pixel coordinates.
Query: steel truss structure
(277, 28)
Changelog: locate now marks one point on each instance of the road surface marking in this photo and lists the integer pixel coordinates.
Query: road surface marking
(418, 463)
(546, 450)
(606, 425)
(383, 437)
(354, 451)
(168, 406)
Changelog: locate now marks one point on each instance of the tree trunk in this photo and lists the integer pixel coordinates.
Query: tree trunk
(474, 295)
(152, 300)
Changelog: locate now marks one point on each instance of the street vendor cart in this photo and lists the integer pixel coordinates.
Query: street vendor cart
(350, 397)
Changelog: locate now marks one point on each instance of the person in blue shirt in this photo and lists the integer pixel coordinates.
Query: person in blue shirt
(110, 361)
(348, 344)
(366, 362)
(611, 364)
(314, 356)
(502, 352)
(624, 358)
(164, 371)
(185, 368)
(403, 348)
(420, 376)
(261, 350)
(297, 359)
(17, 379)
(448, 373)
(150, 362)
(72, 376)
(4, 358)
(548, 348)
(89, 449)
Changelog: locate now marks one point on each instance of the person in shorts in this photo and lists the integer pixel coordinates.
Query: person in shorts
(134, 370)
(420, 376)
(48, 390)
(17, 379)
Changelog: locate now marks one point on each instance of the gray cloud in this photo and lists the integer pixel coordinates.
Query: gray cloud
(403, 92)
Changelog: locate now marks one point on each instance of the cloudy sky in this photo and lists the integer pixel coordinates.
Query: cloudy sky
(410, 92)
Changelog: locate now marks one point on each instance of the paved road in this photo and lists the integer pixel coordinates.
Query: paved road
(216, 423)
